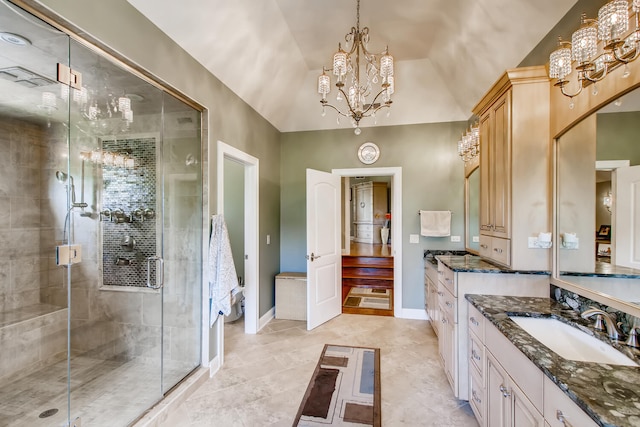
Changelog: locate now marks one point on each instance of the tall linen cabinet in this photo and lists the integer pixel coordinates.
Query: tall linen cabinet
(515, 190)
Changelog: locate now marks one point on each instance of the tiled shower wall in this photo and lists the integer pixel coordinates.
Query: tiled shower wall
(32, 327)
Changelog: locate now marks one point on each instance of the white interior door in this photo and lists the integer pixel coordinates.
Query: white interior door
(324, 260)
(626, 198)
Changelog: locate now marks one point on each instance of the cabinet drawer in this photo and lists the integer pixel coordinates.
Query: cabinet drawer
(500, 250)
(447, 277)
(555, 400)
(476, 356)
(476, 397)
(476, 322)
(364, 231)
(447, 303)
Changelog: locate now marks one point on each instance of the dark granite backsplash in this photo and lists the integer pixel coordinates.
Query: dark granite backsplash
(579, 304)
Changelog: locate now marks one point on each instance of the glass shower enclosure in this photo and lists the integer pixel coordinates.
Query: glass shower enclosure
(100, 233)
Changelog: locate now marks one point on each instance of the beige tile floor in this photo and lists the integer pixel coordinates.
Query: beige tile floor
(265, 375)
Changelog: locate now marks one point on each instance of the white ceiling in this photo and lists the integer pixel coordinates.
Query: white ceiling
(270, 52)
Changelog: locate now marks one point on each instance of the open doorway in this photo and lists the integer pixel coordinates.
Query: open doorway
(369, 240)
(367, 261)
(237, 186)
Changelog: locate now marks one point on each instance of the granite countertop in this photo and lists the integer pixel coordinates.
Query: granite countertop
(610, 394)
(475, 264)
(606, 269)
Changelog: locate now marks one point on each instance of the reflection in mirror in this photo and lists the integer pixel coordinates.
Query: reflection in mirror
(598, 170)
(472, 211)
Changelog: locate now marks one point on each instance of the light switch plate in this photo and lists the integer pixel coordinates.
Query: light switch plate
(475, 239)
(414, 238)
(455, 238)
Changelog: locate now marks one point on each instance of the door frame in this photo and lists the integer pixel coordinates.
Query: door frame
(251, 227)
(396, 223)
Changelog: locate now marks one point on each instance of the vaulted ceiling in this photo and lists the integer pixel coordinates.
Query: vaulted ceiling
(270, 52)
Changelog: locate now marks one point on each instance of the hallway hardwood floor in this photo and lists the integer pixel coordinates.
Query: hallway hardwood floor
(265, 375)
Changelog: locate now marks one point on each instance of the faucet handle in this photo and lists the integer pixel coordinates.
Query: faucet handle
(599, 324)
(632, 341)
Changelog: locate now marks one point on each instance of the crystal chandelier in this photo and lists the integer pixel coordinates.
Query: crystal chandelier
(469, 144)
(363, 95)
(597, 47)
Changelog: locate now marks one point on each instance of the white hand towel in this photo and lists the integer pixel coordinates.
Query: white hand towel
(435, 223)
(222, 271)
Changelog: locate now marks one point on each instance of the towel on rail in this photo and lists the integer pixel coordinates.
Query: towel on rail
(435, 223)
(222, 271)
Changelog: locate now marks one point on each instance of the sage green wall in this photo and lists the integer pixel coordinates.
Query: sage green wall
(228, 118)
(432, 177)
(617, 137)
(234, 211)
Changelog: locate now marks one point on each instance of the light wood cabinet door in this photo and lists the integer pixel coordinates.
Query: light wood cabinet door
(523, 413)
(497, 394)
(495, 168)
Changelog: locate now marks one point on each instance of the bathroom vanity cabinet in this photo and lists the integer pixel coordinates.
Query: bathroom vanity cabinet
(514, 200)
(453, 284)
(431, 295)
(507, 389)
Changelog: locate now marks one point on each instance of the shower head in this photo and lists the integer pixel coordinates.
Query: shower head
(61, 177)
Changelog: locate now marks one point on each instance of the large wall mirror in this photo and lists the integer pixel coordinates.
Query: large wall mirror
(472, 206)
(598, 204)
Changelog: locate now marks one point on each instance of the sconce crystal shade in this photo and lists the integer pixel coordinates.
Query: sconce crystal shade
(584, 43)
(560, 63)
(613, 20)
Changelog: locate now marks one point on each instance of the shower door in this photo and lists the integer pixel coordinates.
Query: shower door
(100, 242)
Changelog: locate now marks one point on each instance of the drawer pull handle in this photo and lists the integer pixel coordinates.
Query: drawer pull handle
(476, 398)
(475, 355)
(484, 246)
(447, 279)
(441, 293)
(562, 419)
(444, 320)
(498, 250)
(474, 321)
(449, 304)
(505, 391)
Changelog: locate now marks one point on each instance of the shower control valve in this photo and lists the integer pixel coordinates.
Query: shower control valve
(138, 213)
(106, 214)
(149, 214)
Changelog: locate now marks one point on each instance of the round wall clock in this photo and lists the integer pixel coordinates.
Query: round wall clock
(368, 153)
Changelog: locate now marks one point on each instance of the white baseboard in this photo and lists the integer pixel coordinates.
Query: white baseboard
(214, 366)
(414, 313)
(266, 318)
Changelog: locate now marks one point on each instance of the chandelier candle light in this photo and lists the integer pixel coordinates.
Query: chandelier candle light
(377, 68)
(597, 47)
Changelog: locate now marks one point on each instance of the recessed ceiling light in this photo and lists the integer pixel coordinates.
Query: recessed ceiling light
(15, 39)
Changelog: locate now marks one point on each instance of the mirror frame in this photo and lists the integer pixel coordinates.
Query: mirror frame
(469, 167)
(563, 119)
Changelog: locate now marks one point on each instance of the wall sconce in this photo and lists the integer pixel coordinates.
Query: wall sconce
(597, 47)
(607, 201)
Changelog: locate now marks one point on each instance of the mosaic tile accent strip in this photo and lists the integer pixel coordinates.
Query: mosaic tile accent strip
(129, 190)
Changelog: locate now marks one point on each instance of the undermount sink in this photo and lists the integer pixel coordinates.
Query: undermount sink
(571, 343)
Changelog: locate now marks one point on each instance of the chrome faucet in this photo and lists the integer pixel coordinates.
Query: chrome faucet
(606, 318)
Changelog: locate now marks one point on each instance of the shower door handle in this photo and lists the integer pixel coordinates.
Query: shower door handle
(160, 272)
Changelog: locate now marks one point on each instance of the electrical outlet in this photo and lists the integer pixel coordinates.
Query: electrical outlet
(455, 238)
(475, 239)
(414, 238)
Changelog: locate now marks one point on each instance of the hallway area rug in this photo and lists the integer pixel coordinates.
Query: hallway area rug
(368, 298)
(344, 389)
